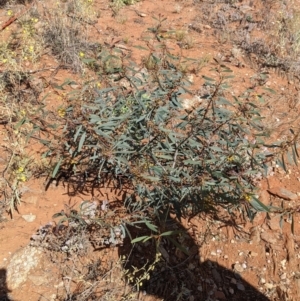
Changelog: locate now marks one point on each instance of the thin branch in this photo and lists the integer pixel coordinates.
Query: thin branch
(14, 18)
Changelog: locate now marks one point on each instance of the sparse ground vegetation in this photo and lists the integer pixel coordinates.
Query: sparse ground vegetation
(168, 129)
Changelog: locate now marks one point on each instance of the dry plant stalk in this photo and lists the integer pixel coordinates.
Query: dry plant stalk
(14, 18)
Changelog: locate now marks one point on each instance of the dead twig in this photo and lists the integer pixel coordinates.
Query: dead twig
(14, 18)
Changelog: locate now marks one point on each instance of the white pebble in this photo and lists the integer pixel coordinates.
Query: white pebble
(283, 276)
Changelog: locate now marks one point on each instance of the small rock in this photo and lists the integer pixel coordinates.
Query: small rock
(207, 27)
(216, 275)
(31, 200)
(199, 288)
(254, 234)
(21, 264)
(238, 268)
(274, 223)
(124, 83)
(264, 197)
(225, 256)
(279, 246)
(37, 280)
(53, 297)
(189, 103)
(283, 262)
(244, 266)
(232, 241)
(213, 253)
(282, 289)
(61, 284)
(240, 287)
(288, 220)
(29, 217)
(262, 281)
(253, 254)
(233, 281)
(283, 193)
(283, 276)
(142, 14)
(269, 285)
(231, 291)
(220, 295)
(190, 78)
(268, 237)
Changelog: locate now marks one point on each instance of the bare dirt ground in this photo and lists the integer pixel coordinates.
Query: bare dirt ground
(230, 258)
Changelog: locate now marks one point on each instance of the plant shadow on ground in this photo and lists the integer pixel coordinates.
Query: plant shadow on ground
(3, 287)
(178, 275)
(4, 2)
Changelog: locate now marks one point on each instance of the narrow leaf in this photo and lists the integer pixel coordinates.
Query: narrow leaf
(141, 238)
(258, 205)
(141, 47)
(56, 168)
(82, 139)
(77, 133)
(296, 150)
(294, 155)
(282, 162)
(59, 214)
(150, 226)
(269, 90)
(208, 78)
(181, 248)
(168, 233)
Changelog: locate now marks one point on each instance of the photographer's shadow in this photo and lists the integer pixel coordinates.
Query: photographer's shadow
(3, 287)
(181, 273)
